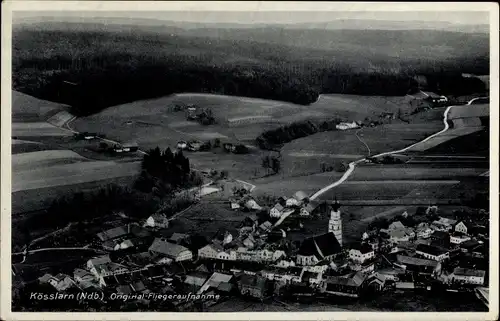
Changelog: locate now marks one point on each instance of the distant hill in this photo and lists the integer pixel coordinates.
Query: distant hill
(339, 24)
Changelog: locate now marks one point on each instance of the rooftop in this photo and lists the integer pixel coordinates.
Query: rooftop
(429, 249)
(415, 261)
(168, 249)
(469, 272)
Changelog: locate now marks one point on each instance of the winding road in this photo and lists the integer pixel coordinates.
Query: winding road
(352, 165)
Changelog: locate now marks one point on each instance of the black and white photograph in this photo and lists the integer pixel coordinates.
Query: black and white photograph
(163, 159)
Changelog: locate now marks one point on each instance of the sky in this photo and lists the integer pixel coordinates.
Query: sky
(283, 17)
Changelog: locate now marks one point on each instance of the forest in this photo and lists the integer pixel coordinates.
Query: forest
(95, 68)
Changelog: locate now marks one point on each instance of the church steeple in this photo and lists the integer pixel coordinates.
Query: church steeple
(335, 222)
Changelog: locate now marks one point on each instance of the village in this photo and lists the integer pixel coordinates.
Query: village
(259, 262)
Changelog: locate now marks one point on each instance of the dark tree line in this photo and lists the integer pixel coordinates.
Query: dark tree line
(274, 138)
(165, 172)
(89, 205)
(110, 68)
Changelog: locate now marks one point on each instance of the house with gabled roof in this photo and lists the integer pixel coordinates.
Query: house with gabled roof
(349, 285)
(318, 248)
(157, 220)
(169, 250)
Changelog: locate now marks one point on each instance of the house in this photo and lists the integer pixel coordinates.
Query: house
(220, 282)
(181, 144)
(440, 238)
(114, 233)
(249, 242)
(194, 145)
(252, 285)
(235, 205)
(462, 227)
(312, 278)
(415, 264)
(60, 282)
(251, 220)
(432, 252)
(285, 275)
(93, 263)
(400, 235)
(397, 225)
(346, 125)
(443, 224)
(282, 200)
(108, 269)
(390, 273)
(458, 237)
(130, 147)
(157, 220)
(470, 246)
(266, 226)
(468, 276)
(423, 230)
(276, 211)
(301, 197)
(252, 205)
(179, 238)
(318, 248)
(83, 276)
(309, 209)
(225, 235)
(228, 147)
(210, 251)
(349, 286)
(361, 252)
(292, 201)
(195, 280)
(169, 250)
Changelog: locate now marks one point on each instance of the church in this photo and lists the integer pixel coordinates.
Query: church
(325, 246)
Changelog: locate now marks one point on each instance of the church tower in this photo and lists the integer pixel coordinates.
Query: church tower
(335, 222)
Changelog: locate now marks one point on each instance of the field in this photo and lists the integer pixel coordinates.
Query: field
(153, 123)
(26, 201)
(37, 129)
(28, 108)
(69, 174)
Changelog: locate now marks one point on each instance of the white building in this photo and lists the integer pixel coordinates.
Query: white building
(468, 276)
(360, 253)
(462, 227)
(346, 126)
(458, 238)
(157, 220)
(432, 252)
(276, 211)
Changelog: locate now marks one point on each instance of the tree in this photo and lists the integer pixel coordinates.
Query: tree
(275, 165)
(266, 163)
(217, 143)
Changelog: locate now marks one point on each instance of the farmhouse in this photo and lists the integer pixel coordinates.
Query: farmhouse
(458, 237)
(432, 252)
(218, 281)
(346, 126)
(309, 209)
(415, 264)
(396, 226)
(252, 285)
(317, 248)
(361, 252)
(469, 246)
(170, 251)
(93, 263)
(114, 233)
(423, 230)
(210, 251)
(182, 144)
(344, 286)
(179, 238)
(157, 220)
(60, 282)
(301, 197)
(462, 227)
(276, 211)
(130, 147)
(468, 276)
